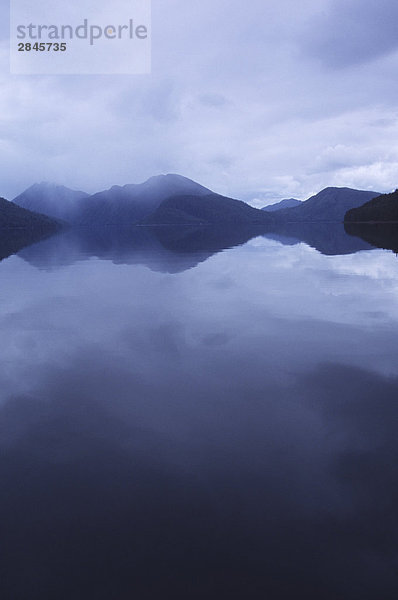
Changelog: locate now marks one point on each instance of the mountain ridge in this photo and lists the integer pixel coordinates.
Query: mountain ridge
(134, 203)
(383, 208)
(286, 203)
(50, 199)
(330, 204)
(210, 209)
(20, 228)
(13, 216)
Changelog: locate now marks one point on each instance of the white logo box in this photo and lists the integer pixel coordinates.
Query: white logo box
(54, 37)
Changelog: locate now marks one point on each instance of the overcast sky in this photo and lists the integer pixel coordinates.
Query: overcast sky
(258, 100)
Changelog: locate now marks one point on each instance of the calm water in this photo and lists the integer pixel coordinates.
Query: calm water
(183, 424)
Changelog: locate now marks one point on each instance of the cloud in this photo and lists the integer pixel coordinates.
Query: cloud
(355, 32)
(241, 98)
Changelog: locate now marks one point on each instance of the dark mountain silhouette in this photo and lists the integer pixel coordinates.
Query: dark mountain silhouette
(210, 209)
(135, 203)
(384, 208)
(331, 204)
(198, 221)
(288, 203)
(120, 205)
(53, 200)
(20, 227)
(132, 203)
(380, 235)
(15, 217)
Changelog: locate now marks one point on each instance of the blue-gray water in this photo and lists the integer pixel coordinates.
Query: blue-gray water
(198, 426)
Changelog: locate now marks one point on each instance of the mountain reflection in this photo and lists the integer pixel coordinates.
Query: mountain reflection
(13, 240)
(176, 249)
(379, 235)
(166, 249)
(330, 239)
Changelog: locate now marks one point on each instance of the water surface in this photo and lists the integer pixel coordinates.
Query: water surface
(182, 422)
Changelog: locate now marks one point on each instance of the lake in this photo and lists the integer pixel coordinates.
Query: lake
(192, 420)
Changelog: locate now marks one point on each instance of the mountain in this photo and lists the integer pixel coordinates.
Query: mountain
(384, 208)
(171, 199)
(209, 209)
(15, 217)
(288, 203)
(331, 204)
(53, 200)
(132, 203)
(136, 203)
(20, 228)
